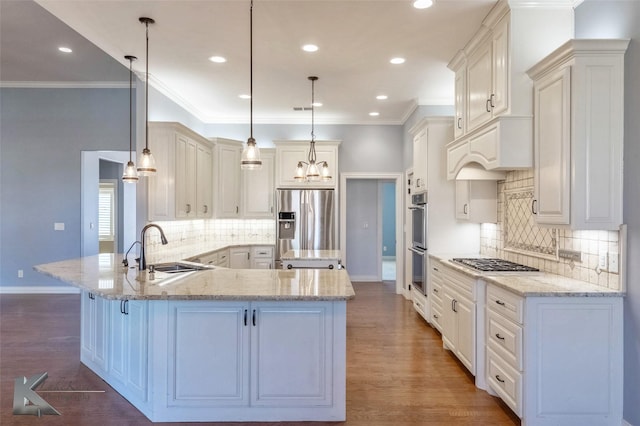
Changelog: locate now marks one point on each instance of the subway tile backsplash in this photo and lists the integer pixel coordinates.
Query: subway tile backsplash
(518, 238)
(188, 238)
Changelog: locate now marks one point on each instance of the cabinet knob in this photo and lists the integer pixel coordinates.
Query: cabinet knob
(188, 208)
(206, 208)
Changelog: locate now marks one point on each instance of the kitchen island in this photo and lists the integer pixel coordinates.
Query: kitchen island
(216, 344)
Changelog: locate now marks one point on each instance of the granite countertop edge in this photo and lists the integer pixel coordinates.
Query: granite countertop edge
(541, 284)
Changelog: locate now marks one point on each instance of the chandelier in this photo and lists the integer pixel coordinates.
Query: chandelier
(312, 171)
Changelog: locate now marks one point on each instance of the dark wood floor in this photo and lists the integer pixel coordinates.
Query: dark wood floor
(397, 372)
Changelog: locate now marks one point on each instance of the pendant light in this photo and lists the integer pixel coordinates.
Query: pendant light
(312, 172)
(130, 173)
(251, 154)
(147, 164)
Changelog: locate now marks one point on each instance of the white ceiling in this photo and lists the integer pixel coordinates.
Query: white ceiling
(356, 40)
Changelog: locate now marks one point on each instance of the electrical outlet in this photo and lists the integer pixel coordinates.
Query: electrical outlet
(58, 226)
(20, 273)
(614, 264)
(602, 260)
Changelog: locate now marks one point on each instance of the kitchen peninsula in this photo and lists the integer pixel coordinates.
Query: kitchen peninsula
(216, 344)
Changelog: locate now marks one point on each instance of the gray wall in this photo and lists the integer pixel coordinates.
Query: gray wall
(621, 19)
(43, 132)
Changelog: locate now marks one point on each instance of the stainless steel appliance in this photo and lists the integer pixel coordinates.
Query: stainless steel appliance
(419, 242)
(306, 221)
(493, 265)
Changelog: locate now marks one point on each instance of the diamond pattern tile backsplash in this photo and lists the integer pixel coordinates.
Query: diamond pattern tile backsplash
(517, 238)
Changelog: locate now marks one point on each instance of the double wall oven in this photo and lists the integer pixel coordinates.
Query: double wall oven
(418, 247)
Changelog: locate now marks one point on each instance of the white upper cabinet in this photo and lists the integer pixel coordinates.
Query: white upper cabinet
(258, 188)
(578, 135)
(228, 153)
(420, 140)
(493, 93)
(183, 185)
(289, 153)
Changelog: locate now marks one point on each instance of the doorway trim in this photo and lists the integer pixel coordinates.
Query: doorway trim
(90, 180)
(398, 179)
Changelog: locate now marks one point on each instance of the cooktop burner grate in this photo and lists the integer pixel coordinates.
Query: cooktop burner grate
(493, 265)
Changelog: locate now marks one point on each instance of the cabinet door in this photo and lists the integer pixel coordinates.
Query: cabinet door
(137, 318)
(258, 189)
(465, 313)
(118, 337)
(420, 160)
(460, 105)
(552, 148)
(185, 183)
(292, 368)
(448, 323)
(208, 353)
(479, 81)
(499, 98)
(261, 263)
(462, 199)
(239, 258)
(228, 181)
(204, 182)
(94, 330)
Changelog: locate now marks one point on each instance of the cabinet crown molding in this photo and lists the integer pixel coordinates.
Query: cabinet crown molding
(578, 47)
(430, 121)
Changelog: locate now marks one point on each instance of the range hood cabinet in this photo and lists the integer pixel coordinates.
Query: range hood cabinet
(505, 143)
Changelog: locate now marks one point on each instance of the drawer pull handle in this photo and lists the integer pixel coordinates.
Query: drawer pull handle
(435, 269)
(499, 336)
(499, 379)
(435, 290)
(435, 316)
(500, 302)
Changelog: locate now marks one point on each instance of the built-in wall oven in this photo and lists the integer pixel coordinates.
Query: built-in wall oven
(419, 242)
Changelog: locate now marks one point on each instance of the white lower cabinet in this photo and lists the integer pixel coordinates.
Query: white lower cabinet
(128, 346)
(420, 303)
(459, 315)
(556, 360)
(262, 257)
(94, 332)
(240, 257)
(258, 354)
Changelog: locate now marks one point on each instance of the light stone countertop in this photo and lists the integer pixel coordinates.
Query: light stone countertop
(312, 255)
(105, 276)
(531, 284)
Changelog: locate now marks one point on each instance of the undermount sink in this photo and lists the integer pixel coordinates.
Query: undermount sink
(176, 267)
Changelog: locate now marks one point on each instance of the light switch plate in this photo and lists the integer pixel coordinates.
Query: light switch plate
(602, 260)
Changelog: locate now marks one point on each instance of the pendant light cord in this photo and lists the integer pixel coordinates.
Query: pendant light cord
(251, 70)
(312, 149)
(130, 107)
(146, 93)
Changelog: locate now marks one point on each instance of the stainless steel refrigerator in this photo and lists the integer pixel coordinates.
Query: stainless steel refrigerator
(306, 221)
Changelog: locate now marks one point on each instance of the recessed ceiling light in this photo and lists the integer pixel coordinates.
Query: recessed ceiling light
(422, 4)
(381, 97)
(64, 49)
(244, 96)
(374, 114)
(397, 61)
(310, 48)
(317, 104)
(218, 59)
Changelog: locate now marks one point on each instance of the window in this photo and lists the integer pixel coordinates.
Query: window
(107, 211)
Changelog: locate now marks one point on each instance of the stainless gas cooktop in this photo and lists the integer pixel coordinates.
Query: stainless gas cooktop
(493, 265)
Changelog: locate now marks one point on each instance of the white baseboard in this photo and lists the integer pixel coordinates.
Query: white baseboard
(364, 278)
(39, 290)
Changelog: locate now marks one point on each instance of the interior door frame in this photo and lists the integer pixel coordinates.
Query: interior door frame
(398, 179)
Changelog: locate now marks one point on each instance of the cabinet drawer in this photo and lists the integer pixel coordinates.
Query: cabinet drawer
(505, 337)
(262, 251)
(505, 303)
(506, 381)
(419, 303)
(464, 284)
(436, 317)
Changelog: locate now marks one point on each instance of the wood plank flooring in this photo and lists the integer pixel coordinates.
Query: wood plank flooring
(397, 372)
